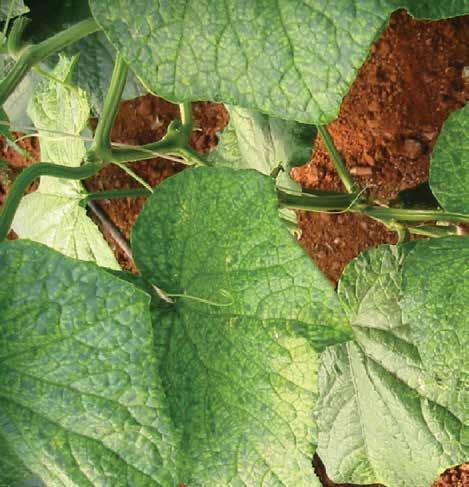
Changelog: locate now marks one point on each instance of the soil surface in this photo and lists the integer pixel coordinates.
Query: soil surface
(454, 477)
(387, 127)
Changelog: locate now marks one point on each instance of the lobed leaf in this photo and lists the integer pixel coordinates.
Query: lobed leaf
(449, 171)
(239, 375)
(292, 59)
(52, 215)
(382, 414)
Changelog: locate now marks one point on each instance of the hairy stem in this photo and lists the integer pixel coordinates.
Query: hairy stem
(27, 176)
(342, 171)
(134, 176)
(30, 55)
(393, 218)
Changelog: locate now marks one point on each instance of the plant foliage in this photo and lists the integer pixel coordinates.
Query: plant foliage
(229, 359)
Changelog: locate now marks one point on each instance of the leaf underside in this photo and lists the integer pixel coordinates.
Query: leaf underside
(383, 414)
(292, 59)
(52, 215)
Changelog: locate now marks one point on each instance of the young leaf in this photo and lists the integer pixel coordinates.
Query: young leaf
(291, 59)
(12, 7)
(17, 103)
(239, 376)
(93, 68)
(449, 170)
(52, 215)
(80, 400)
(256, 141)
(382, 415)
(263, 143)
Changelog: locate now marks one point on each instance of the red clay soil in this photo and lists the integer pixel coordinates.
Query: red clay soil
(387, 127)
(140, 121)
(385, 132)
(454, 477)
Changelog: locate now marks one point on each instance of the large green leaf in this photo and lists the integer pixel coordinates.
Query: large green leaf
(239, 376)
(80, 400)
(52, 215)
(382, 415)
(293, 59)
(449, 169)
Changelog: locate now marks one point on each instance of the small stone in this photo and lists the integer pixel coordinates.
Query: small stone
(412, 148)
(368, 159)
(361, 171)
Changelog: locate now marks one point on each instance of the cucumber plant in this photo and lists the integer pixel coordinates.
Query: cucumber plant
(229, 359)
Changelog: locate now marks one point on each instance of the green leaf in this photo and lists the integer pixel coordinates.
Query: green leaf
(17, 103)
(13, 472)
(291, 59)
(80, 400)
(93, 70)
(449, 169)
(382, 416)
(436, 287)
(257, 141)
(17, 8)
(52, 215)
(239, 376)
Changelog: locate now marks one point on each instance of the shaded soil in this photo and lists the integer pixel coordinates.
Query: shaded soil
(388, 124)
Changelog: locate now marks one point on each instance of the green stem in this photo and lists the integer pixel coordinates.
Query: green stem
(32, 54)
(115, 194)
(186, 115)
(355, 203)
(15, 38)
(308, 202)
(174, 143)
(433, 231)
(8, 19)
(399, 214)
(101, 147)
(342, 171)
(27, 176)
